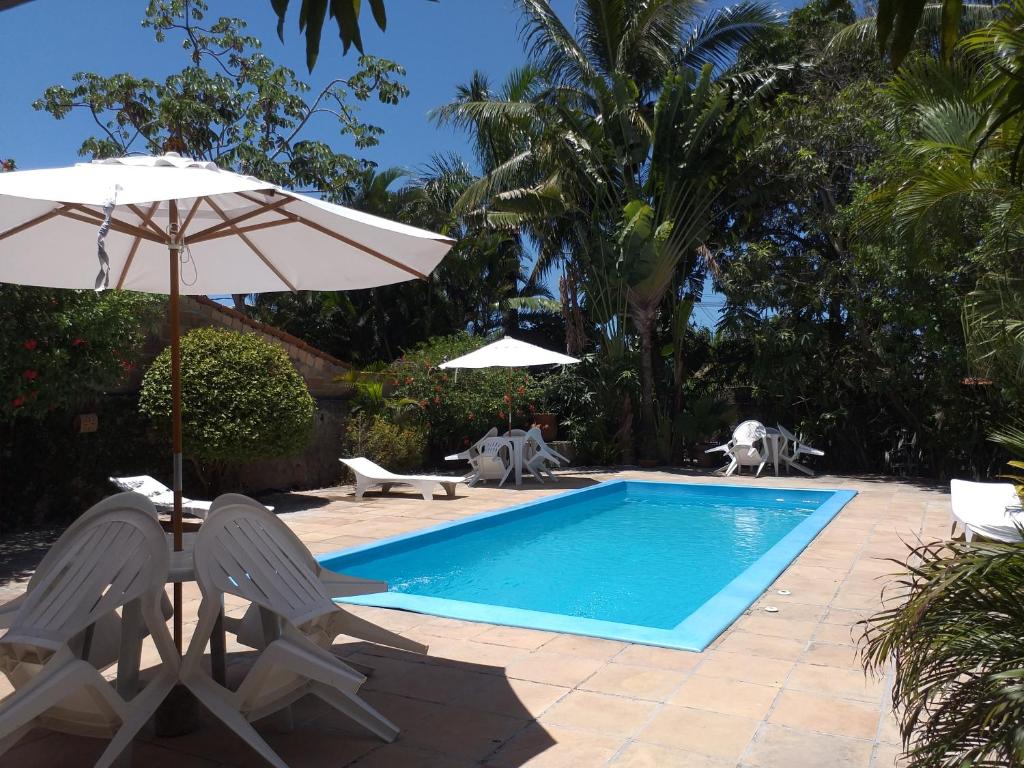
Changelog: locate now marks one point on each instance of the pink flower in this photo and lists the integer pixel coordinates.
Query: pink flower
(30, 375)
(77, 342)
(30, 344)
(18, 401)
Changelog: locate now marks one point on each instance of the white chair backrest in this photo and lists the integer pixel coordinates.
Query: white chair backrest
(748, 432)
(244, 550)
(968, 499)
(144, 484)
(364, 466)
(492, 446)
(112, 555)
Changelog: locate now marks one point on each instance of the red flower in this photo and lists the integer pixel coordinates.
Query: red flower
(30, 375)
(30, 344)
(521, 391)
(18, 401)
(501, 414)
(126, 365)
(77, 342)
(437, 400)
(507, 399)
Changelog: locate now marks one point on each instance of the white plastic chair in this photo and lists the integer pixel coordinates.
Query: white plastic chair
(490, 457)
(992, 510)
(742, 450)
(240, 551)
(793, 449)
(538, 457)
(113, 558)
(249, 628)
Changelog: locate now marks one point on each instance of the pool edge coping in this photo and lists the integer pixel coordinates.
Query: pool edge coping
(694, 633)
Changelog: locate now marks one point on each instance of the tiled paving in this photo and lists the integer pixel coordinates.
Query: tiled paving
(780, 690)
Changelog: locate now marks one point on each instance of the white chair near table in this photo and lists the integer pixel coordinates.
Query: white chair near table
(754, 445)
(240, 551)
(491, 458)
(745, 449)
(114, 557)
(792, 450)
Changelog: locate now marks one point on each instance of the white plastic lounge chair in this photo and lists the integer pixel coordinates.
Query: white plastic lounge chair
(538, 457)
(240, 551)
(490, 457)
(161, 496)
(323, 631)
(116, 558)
(746, 449)
(538, 439)
(369, 475)
(793, 449)
(992, 510)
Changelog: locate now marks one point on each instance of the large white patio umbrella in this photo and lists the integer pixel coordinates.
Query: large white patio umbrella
(175, 225)
(509, 353)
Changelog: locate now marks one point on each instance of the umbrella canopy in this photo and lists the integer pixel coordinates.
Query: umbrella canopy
(174, 225)
(509, 353)
(239, 234)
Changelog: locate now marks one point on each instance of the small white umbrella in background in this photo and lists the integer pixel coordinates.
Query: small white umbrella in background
(174, 225)
(509, 353)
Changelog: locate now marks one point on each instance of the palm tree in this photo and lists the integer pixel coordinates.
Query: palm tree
(615, 150)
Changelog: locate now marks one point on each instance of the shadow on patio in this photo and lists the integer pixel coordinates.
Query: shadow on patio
(451, 713)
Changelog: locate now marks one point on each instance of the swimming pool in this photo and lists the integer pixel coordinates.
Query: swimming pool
(669, 564)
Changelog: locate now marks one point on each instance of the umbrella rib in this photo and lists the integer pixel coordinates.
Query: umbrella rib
(30, 223)
(250, 228)
(348, 241)
(89, 216)
(210, 232)
(146, 217)
(252, 246)
(188, 219)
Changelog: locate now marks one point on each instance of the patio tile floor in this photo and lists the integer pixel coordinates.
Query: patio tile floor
(776, 689)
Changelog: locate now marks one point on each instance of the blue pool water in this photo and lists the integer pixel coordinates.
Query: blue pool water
(666, 563)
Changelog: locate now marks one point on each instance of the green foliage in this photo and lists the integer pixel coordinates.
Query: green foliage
(60, 348)
(242, 398)
(230, 104)
(954, 628)
(313, 14)
(397, 447)
(458, 409)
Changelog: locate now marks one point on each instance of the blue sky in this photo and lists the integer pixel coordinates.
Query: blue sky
(440, 44)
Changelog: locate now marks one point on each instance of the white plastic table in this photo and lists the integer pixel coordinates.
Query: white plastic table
(773, 443)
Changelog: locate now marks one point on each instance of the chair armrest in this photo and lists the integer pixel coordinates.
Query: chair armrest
(719, 448)
(464, 456)
(340, 585)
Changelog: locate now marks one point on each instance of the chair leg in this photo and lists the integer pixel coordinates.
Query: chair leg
(358, 710)
(426, 490)
(449, 488)
(759, 468)
(47, 689)
(220, 707)
(135, 714)
(732, 468)
(14, 737)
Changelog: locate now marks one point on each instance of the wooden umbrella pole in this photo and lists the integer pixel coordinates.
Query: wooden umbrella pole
(174, 247)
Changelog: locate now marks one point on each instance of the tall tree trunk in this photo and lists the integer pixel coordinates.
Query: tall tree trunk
(238, 300)
(643, 319)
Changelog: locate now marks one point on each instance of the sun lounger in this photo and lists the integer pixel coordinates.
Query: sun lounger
(369, 475)
(162, 496)
(991, 510)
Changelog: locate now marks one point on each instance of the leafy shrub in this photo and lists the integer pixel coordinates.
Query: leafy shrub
(397, 447)
(242, 399)
(456, 410)
(60, 348)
